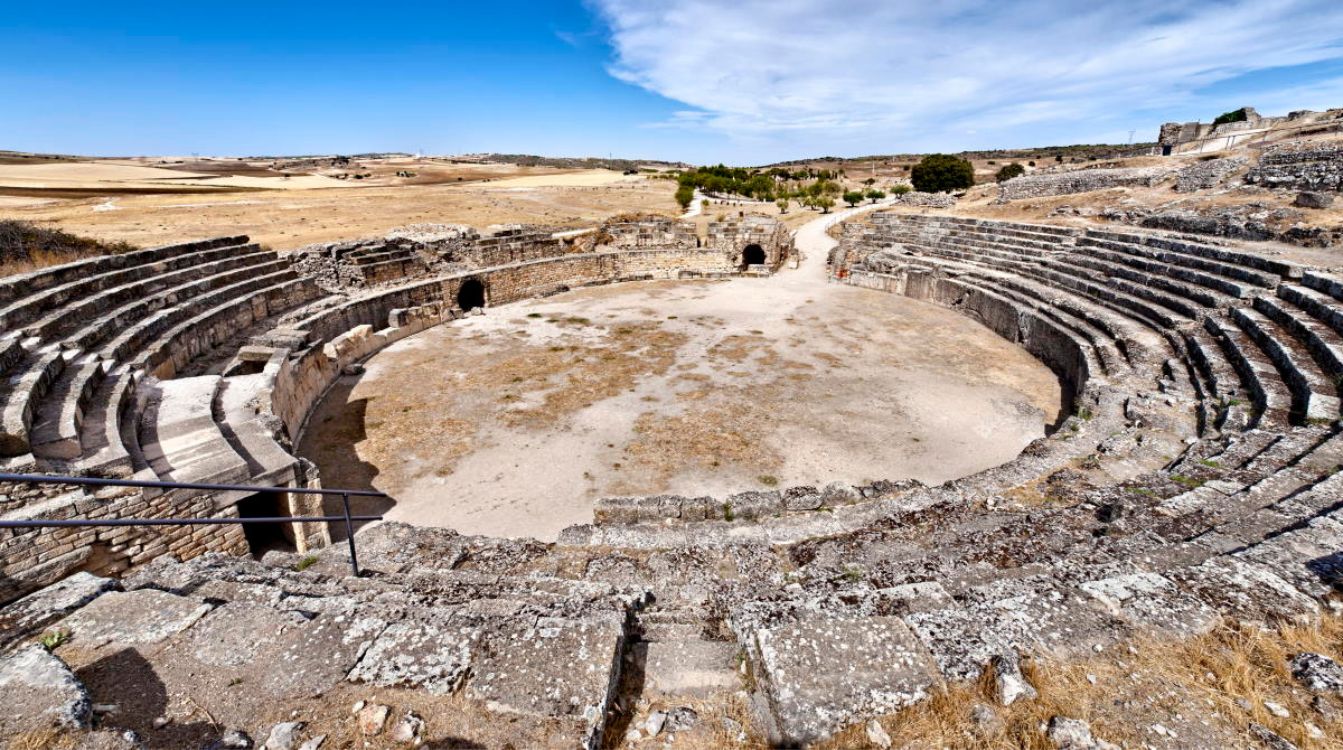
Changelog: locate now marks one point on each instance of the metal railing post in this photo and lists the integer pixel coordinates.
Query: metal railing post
(349, 533)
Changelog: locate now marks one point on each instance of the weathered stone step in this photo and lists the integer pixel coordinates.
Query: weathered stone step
(1323, 342)
(176, 348)
(23, 392)
(127, 345)
(58, 420)
(1211, 267)
(1314, 396)
(102, 327)
(27, 295)
(1194, 283)
(180, 439)
(1272, 398)
(1224, 388)
(108, 439)
(150, 281)
(1231, 257)
(1324, 284)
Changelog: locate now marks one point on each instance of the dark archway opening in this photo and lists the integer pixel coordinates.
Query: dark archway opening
(264, 537)
(753, 255)
(471, 294)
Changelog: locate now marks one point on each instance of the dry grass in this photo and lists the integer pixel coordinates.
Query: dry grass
(727, 433)
(288, 219)
(42, 739)
(26, 247)
(1207, 689)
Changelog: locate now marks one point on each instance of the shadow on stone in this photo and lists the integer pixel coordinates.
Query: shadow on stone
(127, 680)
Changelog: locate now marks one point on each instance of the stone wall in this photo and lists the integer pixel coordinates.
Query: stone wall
(33, 558)
(425, 250)
(732, 236)
(1045, 184)
(1204, 175)
(1313, 166)
(649, 232)
(352, 332)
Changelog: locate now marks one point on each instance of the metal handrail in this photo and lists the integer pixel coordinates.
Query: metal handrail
(147, 484)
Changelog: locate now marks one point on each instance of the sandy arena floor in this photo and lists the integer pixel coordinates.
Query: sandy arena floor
(513, 423)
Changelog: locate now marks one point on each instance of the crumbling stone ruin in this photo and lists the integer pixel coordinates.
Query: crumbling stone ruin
(1044, 184)
(1205, 175)
(1196, 137)
(1195, 477)
(1301, 166)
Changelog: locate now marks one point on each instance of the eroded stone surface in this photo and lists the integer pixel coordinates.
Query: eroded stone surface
(39, 691)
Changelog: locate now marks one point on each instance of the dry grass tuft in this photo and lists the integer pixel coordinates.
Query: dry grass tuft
(27, 247)
(1206, 690)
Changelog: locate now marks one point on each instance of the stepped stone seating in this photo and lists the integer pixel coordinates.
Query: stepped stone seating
(1197, 479)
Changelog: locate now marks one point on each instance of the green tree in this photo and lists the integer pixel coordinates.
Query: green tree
(853, 197)
(684, 195)
(901, 189)
(782, 203)
(1008, 172)
(942, 173)
(876, 195)
(825, 204)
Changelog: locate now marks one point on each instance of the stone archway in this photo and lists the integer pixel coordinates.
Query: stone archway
(753, 255)
(471, 294)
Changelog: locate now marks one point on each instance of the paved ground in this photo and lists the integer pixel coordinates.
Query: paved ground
(514, 422)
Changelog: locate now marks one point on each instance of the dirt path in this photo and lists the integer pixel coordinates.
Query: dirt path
(515, 422)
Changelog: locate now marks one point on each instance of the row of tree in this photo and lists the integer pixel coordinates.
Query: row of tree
(935, 173)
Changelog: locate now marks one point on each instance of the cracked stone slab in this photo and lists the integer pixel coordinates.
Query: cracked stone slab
(434, 655)
(233, 634)
(556, 667)
(691, 667)
(311, 658)
(1246, 591)
(819, 674)
(39, 691)
(1152, 602)
(133, 618)
(43, 607)
(1308, 558)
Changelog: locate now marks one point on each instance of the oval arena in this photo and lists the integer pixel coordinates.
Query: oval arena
(795, 480)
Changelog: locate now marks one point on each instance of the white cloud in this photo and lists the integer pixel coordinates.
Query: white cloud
(899, 73)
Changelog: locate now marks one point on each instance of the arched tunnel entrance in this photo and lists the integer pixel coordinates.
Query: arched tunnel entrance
(471, 294)
(753, 255)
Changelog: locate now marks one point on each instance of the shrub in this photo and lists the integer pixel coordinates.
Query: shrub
(24, 245)
(942, 173)
(1237, 115)
(1008, 172)
(853, 197)
(684, 195)
(782, 203)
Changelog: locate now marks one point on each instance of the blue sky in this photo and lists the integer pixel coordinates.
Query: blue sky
(746, 81)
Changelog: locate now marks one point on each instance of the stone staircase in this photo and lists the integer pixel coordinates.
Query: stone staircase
(84, 354)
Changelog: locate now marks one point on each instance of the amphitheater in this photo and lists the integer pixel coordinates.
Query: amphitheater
(1192, 479)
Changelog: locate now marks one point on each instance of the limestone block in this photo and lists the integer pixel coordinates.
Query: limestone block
(39, 691)
(820, 674)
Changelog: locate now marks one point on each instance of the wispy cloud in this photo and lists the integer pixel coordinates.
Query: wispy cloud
(914, 73)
